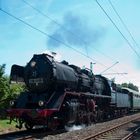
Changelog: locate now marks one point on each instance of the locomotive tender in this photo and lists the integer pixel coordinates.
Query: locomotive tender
(60, 94)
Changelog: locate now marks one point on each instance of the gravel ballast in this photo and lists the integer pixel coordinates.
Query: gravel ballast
(90, 130)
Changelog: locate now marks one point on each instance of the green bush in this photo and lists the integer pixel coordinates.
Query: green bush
(7, 91)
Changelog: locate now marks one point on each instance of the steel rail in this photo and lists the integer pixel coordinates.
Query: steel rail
(110, 130)
(28, 135)
(130, 135)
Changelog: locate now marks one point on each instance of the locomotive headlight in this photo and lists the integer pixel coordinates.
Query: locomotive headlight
(40, 103)
(12, 103)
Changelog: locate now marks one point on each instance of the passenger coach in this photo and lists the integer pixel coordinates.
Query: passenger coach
(134, 97)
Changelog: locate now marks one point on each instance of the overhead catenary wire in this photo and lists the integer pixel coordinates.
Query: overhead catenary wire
(123, 23)
(44, 33)
(127, 41)
(54, 21)
(67, 30)
(119, 30)
(109, 67)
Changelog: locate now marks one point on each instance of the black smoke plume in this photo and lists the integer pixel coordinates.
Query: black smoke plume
(75, 31)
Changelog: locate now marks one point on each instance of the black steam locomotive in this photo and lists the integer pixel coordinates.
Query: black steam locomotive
(60, 94)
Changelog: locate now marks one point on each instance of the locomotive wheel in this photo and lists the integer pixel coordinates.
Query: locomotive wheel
(92, 118)
(85, 120)
(53, 124)
(99, 116)
(54, 127)
(28, 126)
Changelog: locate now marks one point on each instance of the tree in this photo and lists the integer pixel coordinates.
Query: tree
(7, 91)
(130, 85)
(4, 84)
(16, 89)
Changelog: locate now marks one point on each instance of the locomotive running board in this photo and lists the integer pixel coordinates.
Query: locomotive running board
(88, 94)
(97, 95)
(57, 98)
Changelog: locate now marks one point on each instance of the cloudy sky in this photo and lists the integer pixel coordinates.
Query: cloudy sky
(73, 29)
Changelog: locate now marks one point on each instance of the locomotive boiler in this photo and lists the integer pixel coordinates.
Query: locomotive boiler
(58, 94)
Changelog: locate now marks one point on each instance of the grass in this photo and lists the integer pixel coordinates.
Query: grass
(5, 126)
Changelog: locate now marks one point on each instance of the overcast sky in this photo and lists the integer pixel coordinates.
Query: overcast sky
(77, 24)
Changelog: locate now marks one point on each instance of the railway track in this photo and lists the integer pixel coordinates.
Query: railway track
(115, 130)
(28, 135)
(19, 135)
(15, 135)
(123, 131)
(131, 135)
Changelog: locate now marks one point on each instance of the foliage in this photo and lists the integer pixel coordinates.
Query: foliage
(130, 85)
(15, 89)
(7, 91)
(2, 70)
(4, 84)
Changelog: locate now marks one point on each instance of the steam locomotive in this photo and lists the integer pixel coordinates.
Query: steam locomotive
(60, 94)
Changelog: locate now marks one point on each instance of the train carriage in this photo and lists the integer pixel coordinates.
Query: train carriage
(121, 99)
(134, 98)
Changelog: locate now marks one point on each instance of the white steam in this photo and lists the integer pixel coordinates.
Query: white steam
(74, 127)
(57, 56)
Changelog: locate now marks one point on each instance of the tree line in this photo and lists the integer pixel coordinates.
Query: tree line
(130, 85)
